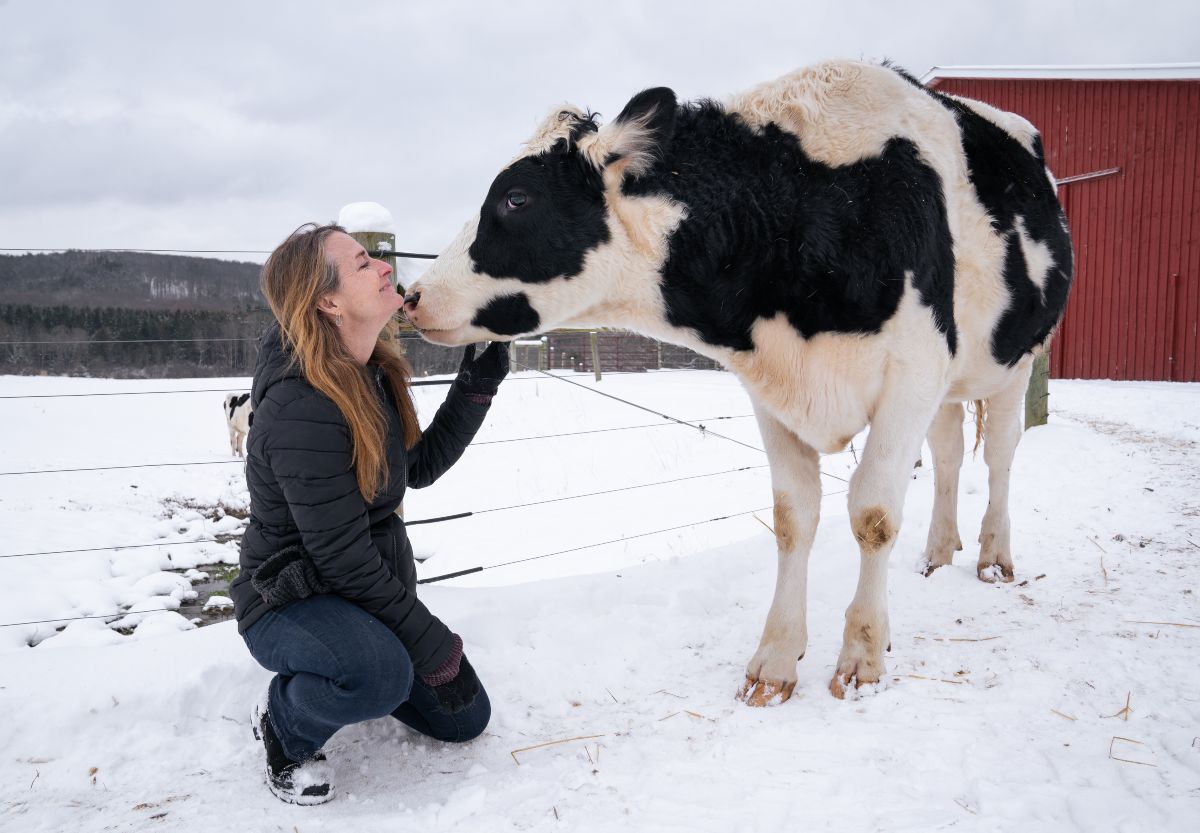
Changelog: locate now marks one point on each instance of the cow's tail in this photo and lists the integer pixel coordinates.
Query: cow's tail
(980, 415)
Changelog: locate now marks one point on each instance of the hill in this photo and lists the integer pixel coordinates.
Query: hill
(122, 314)
(132, 280)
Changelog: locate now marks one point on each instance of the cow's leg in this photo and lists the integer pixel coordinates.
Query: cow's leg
(233, 440)
(1002, 432)
(240, 443)
(796, 482)
(946, 442)
(876, 502)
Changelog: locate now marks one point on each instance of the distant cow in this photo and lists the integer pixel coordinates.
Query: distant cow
(856, 248)
(239, 414)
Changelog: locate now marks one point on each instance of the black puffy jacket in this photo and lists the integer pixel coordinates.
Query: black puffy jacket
(304, 491)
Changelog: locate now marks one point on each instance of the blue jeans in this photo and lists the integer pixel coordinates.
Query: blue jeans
(335, 665)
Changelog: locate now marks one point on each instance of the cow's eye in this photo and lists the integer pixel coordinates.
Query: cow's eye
(515, 200)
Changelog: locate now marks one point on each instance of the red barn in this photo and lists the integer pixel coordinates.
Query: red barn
(1124, 143)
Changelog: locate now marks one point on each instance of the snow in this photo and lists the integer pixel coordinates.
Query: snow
(366, 216)
(612, 668)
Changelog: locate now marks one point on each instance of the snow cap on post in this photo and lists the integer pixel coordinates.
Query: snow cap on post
(366, 216)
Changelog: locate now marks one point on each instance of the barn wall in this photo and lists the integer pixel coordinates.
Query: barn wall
(1134, 311)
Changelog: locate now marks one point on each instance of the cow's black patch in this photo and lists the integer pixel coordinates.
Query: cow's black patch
(1013, 187)
(542, 215)
(508, 315)
(237, 402)
(769, 230)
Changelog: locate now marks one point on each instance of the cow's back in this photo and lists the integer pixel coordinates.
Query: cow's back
(1011, 247)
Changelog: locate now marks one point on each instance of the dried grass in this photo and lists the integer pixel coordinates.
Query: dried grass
(929, 679)
(957, 638)
(1113, 757)
(550, 743)
(1123, 713)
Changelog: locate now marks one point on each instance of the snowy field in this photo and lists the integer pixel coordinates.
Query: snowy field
(1068, 700)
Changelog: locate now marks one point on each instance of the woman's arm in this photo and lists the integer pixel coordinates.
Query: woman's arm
(308, 450)
(454, 425)
(460, 416)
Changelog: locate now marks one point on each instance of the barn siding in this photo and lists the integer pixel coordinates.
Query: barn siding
(1134, 312)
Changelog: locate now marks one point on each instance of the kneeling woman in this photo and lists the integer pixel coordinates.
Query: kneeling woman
(326, 597)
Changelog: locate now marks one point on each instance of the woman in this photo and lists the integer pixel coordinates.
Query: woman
(326, 597)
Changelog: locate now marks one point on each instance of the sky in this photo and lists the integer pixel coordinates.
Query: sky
(225, 125)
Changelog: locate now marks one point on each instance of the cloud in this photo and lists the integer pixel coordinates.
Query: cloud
(228, 122)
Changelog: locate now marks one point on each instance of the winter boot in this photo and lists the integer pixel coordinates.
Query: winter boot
(296, 782)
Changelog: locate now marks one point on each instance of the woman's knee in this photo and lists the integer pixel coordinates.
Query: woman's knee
(358, 654)
(378, 674)
(473, 720)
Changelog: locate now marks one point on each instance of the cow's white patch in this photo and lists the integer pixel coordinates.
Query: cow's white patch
(1038, 260)
(820, 388)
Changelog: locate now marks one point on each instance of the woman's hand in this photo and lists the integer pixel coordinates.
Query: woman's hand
(454, 682)
(461, 691)
(482, 376)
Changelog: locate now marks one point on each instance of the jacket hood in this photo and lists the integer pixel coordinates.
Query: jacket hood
(274, 364)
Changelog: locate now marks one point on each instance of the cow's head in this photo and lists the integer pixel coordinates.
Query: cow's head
(555, 237)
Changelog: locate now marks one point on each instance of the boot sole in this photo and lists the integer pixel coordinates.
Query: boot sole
(283, 795)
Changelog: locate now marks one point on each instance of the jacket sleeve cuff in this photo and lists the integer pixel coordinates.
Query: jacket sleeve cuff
(448, 670)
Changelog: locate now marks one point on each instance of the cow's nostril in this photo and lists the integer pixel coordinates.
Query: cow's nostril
(412, 300)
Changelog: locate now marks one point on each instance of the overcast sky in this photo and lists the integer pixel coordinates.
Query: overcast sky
(224, 125)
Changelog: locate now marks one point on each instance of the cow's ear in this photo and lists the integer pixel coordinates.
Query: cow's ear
(636, 137)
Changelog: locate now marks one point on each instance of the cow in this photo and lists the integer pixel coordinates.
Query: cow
(239, 414)
(857, 249)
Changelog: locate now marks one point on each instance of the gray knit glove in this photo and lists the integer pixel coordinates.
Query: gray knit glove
(286, 576)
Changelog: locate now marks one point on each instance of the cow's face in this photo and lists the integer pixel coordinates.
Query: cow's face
(546, 246)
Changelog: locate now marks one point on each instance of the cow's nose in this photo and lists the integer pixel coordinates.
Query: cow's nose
(411, 300)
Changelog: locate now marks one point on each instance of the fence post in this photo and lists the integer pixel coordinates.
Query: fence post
(595, 355)
(1037, 395)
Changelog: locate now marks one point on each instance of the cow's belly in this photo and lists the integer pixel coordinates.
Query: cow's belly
(983, 377)
(823, 389)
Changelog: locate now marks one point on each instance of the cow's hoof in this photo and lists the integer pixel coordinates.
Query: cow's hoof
(855, 670)
(844, 681)
(993, 573)
(760, 693)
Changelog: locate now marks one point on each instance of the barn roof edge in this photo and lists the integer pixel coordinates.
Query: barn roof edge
(1076, 72)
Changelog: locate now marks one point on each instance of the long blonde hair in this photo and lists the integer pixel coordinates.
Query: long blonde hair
(296, 276)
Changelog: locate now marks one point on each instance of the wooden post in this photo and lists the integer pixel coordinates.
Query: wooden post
(1037, 395)
(595, 355)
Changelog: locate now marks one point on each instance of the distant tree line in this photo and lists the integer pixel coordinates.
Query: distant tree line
(127, 343)
(141, 315)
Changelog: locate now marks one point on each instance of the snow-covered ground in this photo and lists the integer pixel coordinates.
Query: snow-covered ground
(1004, 709)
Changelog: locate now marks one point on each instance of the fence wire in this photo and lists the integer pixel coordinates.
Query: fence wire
(698, 425)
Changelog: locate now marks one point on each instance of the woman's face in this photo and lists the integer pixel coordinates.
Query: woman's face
(365, 297)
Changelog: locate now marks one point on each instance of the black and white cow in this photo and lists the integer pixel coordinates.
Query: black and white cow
(239, 414)
(856, 248)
